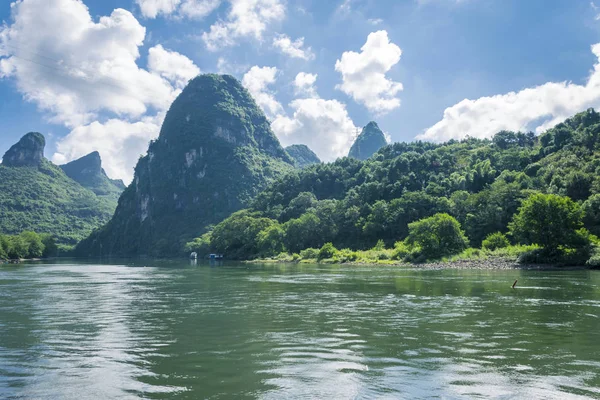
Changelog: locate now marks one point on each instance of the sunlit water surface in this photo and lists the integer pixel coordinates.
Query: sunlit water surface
(173, 330)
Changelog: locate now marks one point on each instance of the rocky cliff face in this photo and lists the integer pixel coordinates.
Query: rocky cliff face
(370, 140)
(215, 152)
(28, 152)
(88, 172)
(302, 155)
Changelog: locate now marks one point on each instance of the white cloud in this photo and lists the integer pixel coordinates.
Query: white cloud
(323, 125)
(194, 9)
(375, 21)
(294, 48)
(175, 67)
(538, 108)
(197, 9)
(246, 18)
(364, 73)
(596, 10)
(119, 142)
(79, 71)
(257, 80)
(305, 84)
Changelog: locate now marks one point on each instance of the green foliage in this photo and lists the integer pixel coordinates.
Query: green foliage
(548, 220)
(302, 155)
(200, 245)
(239, 235)
(495, 241)
(327, 251)
(437, 236)
(44, 199)
(370, 140)
(27, 245)
(591, 214)
(309, 254)
(215, 153)
(270, 240)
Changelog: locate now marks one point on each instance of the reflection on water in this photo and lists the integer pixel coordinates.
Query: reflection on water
(180, 330)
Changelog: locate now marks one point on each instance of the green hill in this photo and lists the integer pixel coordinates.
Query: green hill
(215, 153)
(88, 172)
(355, 204)
(36, 195)
(302, 155)
(370, 140)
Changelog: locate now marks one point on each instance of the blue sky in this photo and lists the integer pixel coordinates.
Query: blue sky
(99, 74)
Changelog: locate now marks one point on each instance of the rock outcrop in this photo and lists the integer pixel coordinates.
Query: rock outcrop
(302, 155)
(370, 140)
(28, 152)
(88, 172)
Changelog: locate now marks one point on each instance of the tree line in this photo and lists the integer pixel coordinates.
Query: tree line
(27, 245)
(482, 185)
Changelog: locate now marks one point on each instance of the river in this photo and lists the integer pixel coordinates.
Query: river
(169, 329)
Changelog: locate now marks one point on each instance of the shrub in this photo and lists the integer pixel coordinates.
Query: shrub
(327, 251)
(401, 250)
(379, 246)
(495, 241)
(548, 220)
(309, 254)
(437, 236)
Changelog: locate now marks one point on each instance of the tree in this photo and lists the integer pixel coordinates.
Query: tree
(495, 241)
(437, 236)
(548, 220)
(591, 217)
(35, 246)
(200, 245)
(270, 240)
(303, 232)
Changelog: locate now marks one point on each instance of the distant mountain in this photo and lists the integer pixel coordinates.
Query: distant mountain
(88, 172)
(37, 195)
(215, 152)
(368, 142)
(302, 155)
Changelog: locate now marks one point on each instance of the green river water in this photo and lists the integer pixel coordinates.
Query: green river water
(169, 329)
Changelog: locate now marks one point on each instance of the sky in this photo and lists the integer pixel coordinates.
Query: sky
(99, 75)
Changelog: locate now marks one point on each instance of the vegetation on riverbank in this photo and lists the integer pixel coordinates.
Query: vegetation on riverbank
(515, 190)
(27, 245)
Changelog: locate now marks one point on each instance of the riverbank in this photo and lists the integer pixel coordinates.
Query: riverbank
(499, 263)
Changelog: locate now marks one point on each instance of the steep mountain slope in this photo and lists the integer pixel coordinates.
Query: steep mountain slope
(36, 195)
(302, 155)
(88, 172)
(215, 152)
(370, 140)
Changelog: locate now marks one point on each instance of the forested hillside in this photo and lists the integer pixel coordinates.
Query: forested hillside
(36, 195)
(215, 152)
(481, 183)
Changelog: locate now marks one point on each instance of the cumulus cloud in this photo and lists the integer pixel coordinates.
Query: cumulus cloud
(305, 84)
(175, 67)
(323, 125)
(246, 18)
(538, 108)
(294, 49)
(257, 80)
(194, 9)
(78, 70)
(364, 74)
(119, 142)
